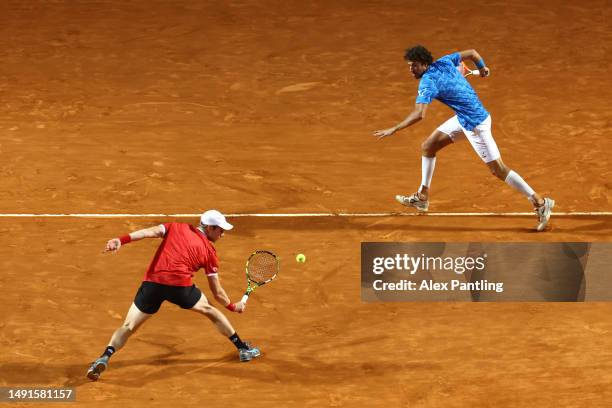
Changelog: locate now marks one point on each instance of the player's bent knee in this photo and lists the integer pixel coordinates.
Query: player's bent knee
(498, 169)
(428, 148)
(208, 310)
(130, 327)
(498, 173)
(204, 307)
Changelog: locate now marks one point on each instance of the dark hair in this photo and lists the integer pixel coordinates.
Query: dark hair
(418, 53)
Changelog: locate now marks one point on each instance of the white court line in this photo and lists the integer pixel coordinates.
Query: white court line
(309, 215)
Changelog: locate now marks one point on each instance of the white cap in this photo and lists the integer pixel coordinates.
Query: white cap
(214, 217)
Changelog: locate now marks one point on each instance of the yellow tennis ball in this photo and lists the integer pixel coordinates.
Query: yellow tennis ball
(301, 258)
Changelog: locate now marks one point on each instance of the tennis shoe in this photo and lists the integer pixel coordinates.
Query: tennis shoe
(413, 201)
(97, 367)
(543, 212)
(249, 353)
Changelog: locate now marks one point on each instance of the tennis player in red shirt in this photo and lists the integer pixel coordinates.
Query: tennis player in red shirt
(184, 250)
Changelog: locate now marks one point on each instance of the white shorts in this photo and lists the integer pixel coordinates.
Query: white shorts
(480, 137)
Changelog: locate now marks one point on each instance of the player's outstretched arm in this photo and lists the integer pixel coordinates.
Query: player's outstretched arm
(114, 244)
(220, 295)
(416, 115)
(475, 57)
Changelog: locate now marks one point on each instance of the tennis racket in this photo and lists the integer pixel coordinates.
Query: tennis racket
(261, 268)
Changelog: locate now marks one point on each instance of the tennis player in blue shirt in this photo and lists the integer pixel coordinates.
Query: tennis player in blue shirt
(442, 80)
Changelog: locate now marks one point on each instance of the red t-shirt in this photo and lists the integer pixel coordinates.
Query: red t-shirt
(184, 250)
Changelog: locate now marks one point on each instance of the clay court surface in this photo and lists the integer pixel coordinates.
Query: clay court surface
(268, 107)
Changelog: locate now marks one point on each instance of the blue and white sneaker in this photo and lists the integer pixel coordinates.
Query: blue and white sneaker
(413, 201)
(247, 354)
(543, 212)
(96, 368)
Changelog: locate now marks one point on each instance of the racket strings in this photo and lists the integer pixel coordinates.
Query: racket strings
(262, 267)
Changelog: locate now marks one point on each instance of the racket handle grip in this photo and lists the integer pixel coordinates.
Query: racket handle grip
(244, 298)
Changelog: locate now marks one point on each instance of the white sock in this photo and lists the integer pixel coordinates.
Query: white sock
(515, 181)
(427, 168)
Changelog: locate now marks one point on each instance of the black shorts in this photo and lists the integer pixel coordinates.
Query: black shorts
(151, 295)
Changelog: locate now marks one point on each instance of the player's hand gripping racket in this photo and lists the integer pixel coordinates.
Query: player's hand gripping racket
(261, 268)
(466, 71)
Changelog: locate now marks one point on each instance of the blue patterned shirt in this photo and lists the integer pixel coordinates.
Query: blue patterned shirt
(444, 82)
